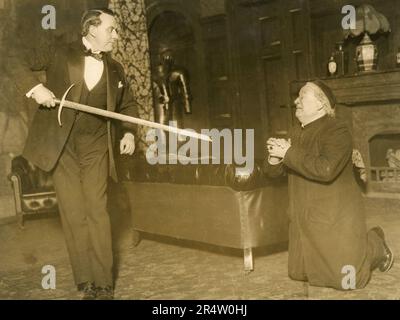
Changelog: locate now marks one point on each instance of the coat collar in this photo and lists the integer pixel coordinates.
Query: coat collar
(112, 82)
(315, 123)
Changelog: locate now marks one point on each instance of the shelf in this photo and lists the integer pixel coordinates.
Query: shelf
(366, 88)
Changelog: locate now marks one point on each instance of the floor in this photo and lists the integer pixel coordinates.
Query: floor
(161, 268)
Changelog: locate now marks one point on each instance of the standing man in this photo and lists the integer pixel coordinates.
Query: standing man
(80, 153)
(327, 233)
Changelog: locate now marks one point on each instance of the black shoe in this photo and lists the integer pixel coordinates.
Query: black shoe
(387, 263)
(104, 293)
(89, 291)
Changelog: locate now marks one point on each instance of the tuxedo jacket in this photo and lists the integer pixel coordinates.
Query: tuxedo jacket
(46, 139)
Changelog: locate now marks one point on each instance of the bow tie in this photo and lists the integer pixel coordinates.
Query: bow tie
(97, 56)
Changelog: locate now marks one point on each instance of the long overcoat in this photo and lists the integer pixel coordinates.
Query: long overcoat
(327, 233)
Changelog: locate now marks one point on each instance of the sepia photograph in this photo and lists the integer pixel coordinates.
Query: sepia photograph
(212, 151)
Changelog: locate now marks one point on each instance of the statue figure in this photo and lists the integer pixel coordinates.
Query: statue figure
(171, 90)
(161, 95)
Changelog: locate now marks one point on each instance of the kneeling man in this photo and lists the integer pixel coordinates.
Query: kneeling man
(327, 233)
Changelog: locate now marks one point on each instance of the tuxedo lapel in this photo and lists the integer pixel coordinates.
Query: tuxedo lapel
(76, 69)
(112, 83)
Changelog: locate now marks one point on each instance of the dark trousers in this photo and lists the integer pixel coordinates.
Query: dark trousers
(80, 179)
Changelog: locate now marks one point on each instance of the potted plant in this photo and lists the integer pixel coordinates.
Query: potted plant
(368, 22)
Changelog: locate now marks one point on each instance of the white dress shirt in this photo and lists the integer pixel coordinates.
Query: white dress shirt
(93, 68)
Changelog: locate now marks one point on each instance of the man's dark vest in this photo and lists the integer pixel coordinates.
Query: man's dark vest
(97, 97)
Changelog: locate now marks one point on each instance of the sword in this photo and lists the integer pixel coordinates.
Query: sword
(114, 115)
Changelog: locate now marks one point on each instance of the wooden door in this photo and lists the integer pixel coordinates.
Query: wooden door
(218, 73)
(282, 29)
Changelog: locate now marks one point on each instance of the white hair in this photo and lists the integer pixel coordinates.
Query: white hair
(322, 98)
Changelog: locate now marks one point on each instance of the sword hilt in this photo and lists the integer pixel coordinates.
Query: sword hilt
(61, 104)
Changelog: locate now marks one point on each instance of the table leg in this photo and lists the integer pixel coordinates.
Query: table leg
(248, 260)
(135, 238)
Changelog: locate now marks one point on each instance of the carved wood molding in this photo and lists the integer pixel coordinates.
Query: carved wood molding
(362, 89)
(253, 3)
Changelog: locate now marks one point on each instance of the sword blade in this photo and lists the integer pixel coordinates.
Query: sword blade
(125, 118)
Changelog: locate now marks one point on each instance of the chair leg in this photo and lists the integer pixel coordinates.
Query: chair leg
(16, 183)
(248, 260)
(20, 217)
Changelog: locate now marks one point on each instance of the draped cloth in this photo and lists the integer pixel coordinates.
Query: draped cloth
(132, 51)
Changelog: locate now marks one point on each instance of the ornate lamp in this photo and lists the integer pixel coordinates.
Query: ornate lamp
(369, 22)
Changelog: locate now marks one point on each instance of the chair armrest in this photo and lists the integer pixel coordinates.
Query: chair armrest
(20, 176)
